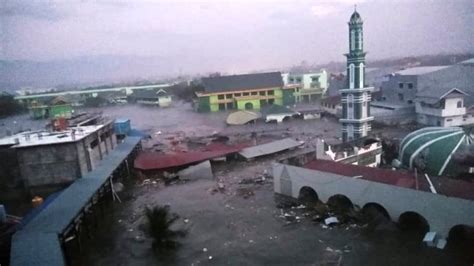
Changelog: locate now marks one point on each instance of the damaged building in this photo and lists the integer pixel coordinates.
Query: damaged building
(48, 160)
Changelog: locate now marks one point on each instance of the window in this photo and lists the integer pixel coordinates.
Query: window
(351, 76)
(314, 79)
(94, 143)
(352, 40)
(361, 75)
(400, 85)
(237, 94)
(449, 120)
(263, 102)
(228, 96)
(298, 80)
(459, 104)
(221, 106)
(230, 106)
(271, 93)
(410, 85)
(254, 93)
(246, 94)
(360, 40)
(262, 93)
(350, 105)
(220, 97)
(291, 80)
(271, 101)
(400, 96)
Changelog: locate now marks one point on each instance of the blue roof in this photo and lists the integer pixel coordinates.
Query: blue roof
(44, 228)
(122, 120)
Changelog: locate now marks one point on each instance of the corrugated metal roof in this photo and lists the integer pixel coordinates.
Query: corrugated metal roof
(438, 92)
(420, 70)
(42, 231)
(157, 161)
(243, 82)
(242, 117)
(36, 248)
(269, 148)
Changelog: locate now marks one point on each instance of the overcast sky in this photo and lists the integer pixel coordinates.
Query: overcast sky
(242, 34)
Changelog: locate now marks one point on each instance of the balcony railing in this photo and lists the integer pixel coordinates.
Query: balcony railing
(440, 112)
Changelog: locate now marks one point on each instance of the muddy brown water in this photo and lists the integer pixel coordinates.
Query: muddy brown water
(238, 230)
(242, 225)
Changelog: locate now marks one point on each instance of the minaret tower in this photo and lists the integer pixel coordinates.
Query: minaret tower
(355, 97)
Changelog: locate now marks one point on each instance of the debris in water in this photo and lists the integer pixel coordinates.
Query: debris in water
(331, 220)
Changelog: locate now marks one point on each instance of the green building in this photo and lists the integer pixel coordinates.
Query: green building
(244, 92)
(50, 108)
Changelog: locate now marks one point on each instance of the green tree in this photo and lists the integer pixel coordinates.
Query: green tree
(8, 105)
(159, 225)
(95, 102)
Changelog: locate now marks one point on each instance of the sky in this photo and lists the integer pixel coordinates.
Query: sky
(236, 35)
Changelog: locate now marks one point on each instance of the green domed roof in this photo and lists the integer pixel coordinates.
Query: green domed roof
(431, 148)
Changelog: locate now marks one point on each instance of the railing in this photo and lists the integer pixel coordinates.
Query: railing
(440, 112)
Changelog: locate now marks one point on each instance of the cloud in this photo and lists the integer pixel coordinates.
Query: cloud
(325, 8)
(41, 10)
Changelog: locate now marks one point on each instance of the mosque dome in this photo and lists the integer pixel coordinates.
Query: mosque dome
(431, 149)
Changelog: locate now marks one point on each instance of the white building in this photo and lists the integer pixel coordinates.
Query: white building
(309, 86)
(442, 107)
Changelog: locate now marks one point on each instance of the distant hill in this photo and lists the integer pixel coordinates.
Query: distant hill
(107, 70)
(422, 60)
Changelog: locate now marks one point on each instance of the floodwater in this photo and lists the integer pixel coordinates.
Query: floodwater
(242, 225)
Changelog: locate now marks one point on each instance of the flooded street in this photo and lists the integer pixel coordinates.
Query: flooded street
(242, 225)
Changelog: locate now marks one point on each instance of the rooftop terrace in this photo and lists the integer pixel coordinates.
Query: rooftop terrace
(42, 137)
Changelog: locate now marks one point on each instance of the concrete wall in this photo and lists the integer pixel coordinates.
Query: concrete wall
(391, 89)
(441, 212)
(48, 164)
(59, 164)
(399, 116)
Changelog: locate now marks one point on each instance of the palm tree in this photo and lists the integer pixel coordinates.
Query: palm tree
(160, 221)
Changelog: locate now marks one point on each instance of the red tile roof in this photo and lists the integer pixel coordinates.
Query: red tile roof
(443, 185)
(157, 161)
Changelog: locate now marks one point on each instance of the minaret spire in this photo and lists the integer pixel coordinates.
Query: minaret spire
(355, 97)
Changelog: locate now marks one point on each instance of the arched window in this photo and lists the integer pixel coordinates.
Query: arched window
(352, 40)
(350, 132)
(361, 75)
(360, 40)
(350, 106)
(351, 76)
(459, 104)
